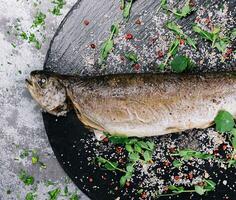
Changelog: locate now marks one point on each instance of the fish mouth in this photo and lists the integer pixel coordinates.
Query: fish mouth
(28, 82)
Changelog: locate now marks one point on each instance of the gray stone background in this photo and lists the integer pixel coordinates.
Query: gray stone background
(21, 124)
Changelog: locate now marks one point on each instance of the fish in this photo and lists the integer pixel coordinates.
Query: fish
(137, 105)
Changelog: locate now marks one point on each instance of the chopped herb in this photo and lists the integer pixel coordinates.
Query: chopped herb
(109, 44)
(224, 122)
(177, 163)
(208, 186)
(24, 36)
(218, 42)
(30, 196)
(136, 150)
(33, 39)
(25, 178)
(111, 166)
(171, 52)
(186, 10)
(163, 5)
(186, 154)
(53, 194)
(74, 197)
(59, 4)
(178, 31)
(181, 63)
(39, 19)
(35, 159)
(127, 8)
(132, 57)
(24, 153)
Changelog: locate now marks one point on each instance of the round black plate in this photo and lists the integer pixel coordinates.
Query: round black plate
(72, 144)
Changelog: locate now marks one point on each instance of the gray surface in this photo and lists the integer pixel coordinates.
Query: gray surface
(21, 124)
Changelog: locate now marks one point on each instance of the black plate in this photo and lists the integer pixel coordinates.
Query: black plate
(72, 144)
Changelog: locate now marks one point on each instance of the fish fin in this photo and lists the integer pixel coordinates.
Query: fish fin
(86, 121)
(99, 135)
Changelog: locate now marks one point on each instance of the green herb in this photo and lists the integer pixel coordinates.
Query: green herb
(25, 178)
(127, 8)
(186, 154)
(218, 42)
(35, 157)
(66, 191)
(184, 11)
(178, 31)
(30, 196)
(53, 194)
(24, 153)
(132, 57)
(233, 33)
(74, 197)
(59, 4)
(48, 183)
(136, 151)
(177, 163)
(181, 63)
(171, 52)
(208, 186)
(224, 122)
(39, 20)
(24, 36)
(164, 4)
(109, 44)
(111, 166)
(33, 39)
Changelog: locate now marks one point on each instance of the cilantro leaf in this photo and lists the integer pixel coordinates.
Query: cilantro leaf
(199, 189)
(127, 9)
(39, 19)
(224, 122)
(181, 63)
(25, 178)
(177, 163)
(132, 57)
(53, 194)
(109, 43)
(30, 196)
(186, 10)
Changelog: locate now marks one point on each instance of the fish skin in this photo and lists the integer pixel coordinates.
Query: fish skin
(145, 105)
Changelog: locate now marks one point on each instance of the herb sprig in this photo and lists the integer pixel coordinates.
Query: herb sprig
(179, 32)
(219, 42)
(126, 5)
(208, 186)
(186, 10)
(181, 63)
(109, 43)
(138, 151)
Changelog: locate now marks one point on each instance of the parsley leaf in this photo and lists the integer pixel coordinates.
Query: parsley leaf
(224, 122)
(59, 4)
(178, 31)
(53, 194)
(30, 196)
(127, 8)
(218, 42)
(186, 10)
(181, 63)
(132, 57)
(39, 20)
(109, 44)
(25, 178)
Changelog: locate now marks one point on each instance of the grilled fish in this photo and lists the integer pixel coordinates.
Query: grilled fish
(138, 105)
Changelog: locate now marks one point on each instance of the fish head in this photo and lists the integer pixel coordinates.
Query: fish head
(48, 90)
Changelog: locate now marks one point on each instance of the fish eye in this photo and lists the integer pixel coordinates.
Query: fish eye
(41, 82)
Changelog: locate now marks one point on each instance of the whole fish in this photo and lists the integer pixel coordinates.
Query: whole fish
(138, 105)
